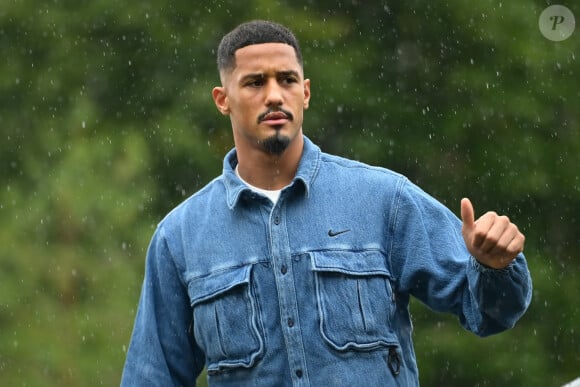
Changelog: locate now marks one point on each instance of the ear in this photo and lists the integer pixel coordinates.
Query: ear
(306, 93)
(221, 99)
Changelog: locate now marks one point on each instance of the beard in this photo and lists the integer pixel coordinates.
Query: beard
(276, 144)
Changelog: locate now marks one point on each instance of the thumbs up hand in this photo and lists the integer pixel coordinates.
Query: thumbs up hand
(492, 239)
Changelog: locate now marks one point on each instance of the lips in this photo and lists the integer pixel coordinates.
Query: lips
(275, 117)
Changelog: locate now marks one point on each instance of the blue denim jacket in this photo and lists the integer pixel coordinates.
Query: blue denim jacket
(313, 290)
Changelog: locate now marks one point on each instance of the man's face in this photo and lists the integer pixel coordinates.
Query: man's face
(265, 96)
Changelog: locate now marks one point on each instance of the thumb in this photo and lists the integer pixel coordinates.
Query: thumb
(467, 214)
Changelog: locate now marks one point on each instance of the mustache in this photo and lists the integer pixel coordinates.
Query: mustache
(262, 116)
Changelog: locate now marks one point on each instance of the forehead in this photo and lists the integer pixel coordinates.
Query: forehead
(266, 57)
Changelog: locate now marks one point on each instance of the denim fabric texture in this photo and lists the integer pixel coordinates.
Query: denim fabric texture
(311, 291)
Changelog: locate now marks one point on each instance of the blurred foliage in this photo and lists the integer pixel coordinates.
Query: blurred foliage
(107, 123)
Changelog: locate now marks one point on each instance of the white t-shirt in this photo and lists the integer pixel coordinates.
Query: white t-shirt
(273, 195)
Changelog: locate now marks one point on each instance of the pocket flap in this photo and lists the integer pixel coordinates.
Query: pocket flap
(204, 288)
(351, 262)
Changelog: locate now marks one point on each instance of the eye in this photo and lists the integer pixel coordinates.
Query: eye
(255, 83)
(289, 80)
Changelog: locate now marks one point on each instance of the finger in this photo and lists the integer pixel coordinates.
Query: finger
(499, 230)
(505, 239)
(482, 228)
(467, 213)
(516, 246)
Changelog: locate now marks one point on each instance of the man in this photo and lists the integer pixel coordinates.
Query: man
(295, 267)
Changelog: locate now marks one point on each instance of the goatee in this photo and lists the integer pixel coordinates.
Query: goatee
(276, 145)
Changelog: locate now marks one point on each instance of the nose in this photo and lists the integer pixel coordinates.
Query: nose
(273, 94)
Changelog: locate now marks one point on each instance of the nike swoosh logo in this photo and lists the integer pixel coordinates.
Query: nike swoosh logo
(335, 233)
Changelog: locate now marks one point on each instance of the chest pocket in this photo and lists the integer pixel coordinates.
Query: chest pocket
(226, 323)
(355, 299)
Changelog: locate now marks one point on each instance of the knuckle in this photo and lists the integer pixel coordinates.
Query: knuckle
(504, 219)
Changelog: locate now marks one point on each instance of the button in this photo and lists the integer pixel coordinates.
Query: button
(284, 269)
(299, 373)
(290, 322)
(277, 220)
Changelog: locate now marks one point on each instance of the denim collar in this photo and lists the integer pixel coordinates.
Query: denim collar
(305, 175)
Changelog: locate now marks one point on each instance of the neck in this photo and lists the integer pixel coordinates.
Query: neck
(268, 171)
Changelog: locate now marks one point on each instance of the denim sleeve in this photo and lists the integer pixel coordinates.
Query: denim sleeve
(162, 351)
(431, 262)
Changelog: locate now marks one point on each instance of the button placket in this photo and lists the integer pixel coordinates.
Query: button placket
(282, 261)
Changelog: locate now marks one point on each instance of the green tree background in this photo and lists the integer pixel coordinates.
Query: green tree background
(107, 123)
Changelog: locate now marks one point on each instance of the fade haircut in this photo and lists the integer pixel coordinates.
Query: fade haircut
(253, 32)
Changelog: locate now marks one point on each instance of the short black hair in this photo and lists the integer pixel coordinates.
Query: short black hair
(253, 32)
